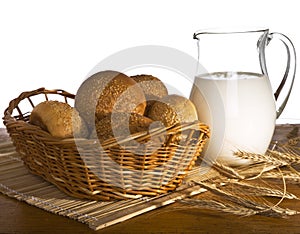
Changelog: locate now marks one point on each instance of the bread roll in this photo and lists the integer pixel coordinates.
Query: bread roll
(106, 92)
(120, 124)
(173, 109)
(59, 119)
(152, 87)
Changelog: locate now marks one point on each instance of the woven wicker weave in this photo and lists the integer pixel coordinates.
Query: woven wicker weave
(82, 169)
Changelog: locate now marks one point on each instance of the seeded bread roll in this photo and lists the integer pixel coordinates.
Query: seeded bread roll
(120, 124)
(173, 109)
(152, 87)
(106, 92)
(59, 119)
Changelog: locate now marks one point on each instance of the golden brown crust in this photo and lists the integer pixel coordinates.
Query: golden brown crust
(106, 92)
(59, 119)
(152, 87)
(173, 109)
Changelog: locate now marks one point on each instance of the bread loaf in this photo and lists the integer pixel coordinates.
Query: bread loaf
(173, 109)
(106, 92)
(59, 119)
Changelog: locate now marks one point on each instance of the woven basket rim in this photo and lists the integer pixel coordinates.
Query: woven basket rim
(9, 119)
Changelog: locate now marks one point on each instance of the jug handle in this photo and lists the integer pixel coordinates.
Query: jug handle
(290, 69)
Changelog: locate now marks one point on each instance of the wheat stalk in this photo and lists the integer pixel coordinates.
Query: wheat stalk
(286, 157)
(256, 190)
(229, 196)
(219, 206)
(290, 176)
(263, 209)
(227, 171)
(232, 183)
(266, 158)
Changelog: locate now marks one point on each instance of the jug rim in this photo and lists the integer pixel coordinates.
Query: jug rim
(229, 30)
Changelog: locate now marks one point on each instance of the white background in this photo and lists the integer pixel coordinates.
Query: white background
(54, 44)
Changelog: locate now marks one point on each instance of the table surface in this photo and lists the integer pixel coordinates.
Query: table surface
(19, 217)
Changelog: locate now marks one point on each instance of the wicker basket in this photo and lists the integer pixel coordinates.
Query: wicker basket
(82, 169)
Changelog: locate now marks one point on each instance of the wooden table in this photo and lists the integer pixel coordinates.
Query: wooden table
(19, 217)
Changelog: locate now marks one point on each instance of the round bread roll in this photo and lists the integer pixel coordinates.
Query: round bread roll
(152, 87)
(173, 109)
(106, 92)
(59, 119)
(120, 124)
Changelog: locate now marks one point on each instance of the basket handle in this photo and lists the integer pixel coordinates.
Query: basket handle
(13, 104)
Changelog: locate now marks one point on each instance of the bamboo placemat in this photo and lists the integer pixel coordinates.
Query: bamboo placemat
(18, 183)
(241, 191)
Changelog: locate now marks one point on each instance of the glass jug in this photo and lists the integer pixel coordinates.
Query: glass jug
(234, 97)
